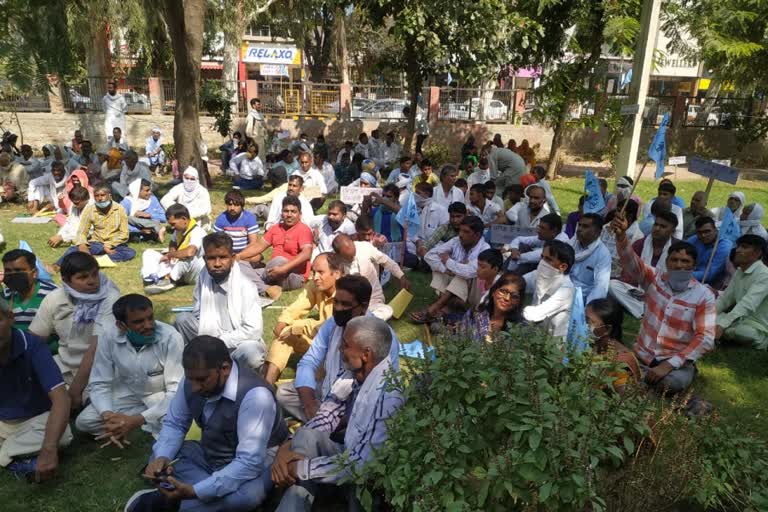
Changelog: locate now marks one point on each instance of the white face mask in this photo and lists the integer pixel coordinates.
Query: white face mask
(189, 185)
(678, 279)
(546, 274)
(420, 201)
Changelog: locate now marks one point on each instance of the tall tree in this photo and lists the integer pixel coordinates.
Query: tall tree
(571, 81)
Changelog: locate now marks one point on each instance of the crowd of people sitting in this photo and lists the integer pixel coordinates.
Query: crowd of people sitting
(86, 349)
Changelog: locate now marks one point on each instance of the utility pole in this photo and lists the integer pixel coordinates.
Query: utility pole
(638, 89)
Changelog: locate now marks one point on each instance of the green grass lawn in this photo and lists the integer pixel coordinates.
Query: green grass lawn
(91, 479)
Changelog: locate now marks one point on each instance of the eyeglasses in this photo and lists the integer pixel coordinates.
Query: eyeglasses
(508, 295)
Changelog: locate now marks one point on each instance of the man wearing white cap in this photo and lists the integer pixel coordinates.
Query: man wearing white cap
(154, 150)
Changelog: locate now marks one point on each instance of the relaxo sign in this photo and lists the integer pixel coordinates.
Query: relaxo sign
(271, 54)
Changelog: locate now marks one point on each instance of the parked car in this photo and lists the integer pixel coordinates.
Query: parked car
(136, 101)
(384, 109)
(358, 104)
(469, 109)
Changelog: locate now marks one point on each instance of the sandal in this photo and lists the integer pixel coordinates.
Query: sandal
(422, 317)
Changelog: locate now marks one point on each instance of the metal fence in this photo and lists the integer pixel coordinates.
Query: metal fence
(384, 102)
(477, 104)
(86, 95)
(12, 100)
(721, 112)
(168, 88)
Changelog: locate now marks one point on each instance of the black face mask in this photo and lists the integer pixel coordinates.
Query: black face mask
(17, 281)
(343, 317)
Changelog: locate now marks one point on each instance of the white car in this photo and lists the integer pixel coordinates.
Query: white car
(385, 109)
(495, 110)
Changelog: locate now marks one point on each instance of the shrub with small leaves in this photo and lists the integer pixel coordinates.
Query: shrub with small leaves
(505, 426)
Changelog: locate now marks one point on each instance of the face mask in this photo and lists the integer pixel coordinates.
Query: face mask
(17, 281)
(342, 318)
(678, 279)
(139, 340)
(103, 204)
(189, 185)
(420, 201)
(545, 276)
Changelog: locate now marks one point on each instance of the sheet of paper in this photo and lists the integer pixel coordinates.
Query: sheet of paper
(105, 262)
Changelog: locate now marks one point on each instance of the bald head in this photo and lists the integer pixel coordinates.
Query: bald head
(698, 201)
(344, 246)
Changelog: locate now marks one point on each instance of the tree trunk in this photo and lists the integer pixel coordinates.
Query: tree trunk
(557, 142)
(98, 59)
(341, 34)
(233, 37)
(185, 20)
(414, 86)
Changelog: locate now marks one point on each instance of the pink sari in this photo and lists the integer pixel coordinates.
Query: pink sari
(65, 203)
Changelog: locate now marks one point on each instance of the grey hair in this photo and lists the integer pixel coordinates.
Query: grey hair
(373, 333)
(448, 169)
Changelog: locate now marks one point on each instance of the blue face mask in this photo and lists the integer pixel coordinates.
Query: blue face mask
(103, 204)
(139, 340)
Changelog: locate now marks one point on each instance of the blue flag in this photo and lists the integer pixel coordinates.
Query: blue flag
(730, 228)
(409, 215)
(42, 274)
(595, 202)
(658, 150)
(626, 79)
(578, 332)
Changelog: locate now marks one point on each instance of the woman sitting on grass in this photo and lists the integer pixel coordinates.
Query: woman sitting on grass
(502, 305)
(605, 317)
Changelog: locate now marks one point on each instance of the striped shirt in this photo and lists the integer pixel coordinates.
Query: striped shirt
(110, 228)
(24, 312)
(329, 469)
(677, 327)
(238, 229)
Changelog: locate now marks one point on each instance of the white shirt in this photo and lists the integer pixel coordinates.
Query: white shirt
(276, 211)
(390, 153)
(245, 167)
(553, 309)
(325, 234)
(343, 152)
(520, 215)
(122, 145)
(531, 247)
(480, 177)
(329, 176)
(312, 178)
(440, 197)
(488, 214)
(432, 216)
(33, 165)
(675, 209)
(366, 263)
(68, 231)
(461, 262)
(151, 374)
(361, 149)
(550, 196)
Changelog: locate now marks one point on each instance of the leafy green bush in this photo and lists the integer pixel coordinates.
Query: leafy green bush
(440, 153)
(508, 426)
(504, 426)
(215, 99)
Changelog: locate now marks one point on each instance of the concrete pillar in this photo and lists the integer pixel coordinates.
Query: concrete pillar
(345, 101)
(641, 78)
(156, 98)
(54, 95)
(251, 91)
(434, 104)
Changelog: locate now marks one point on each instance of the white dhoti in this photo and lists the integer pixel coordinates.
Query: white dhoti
(180, 271)
(40, 190)
(25, 437)
(630, 297)
(124, 401)
(454, 285)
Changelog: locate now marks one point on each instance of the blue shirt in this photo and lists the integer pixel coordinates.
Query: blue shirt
(27, 378)
(254, 428)
(704, 252)
(314, 358)
(155, 210)
(239, 229)
(592, 274)
(678, 202)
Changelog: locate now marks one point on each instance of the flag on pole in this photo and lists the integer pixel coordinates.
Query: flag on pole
(658, 150)
(578, 332)
(626, 79)
(449, 79)
(729, 227)
(595, 202)
(408, 216)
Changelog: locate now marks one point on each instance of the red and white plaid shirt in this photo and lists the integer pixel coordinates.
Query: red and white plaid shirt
(677, 327)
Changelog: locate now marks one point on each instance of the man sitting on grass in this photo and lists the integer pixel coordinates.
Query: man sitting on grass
(291, 242)
(552, 289)
(295, 189)
(146, 216)
(78, 313)
(359, 398)
(742, 310)
(528, 214)
(103, 229)
(525, 251)
(679, 323)
(239, 224)
(23, 291)
(229, 468)
(295, 327)
(135, 373)
(67, 234)
(454, 266)
(226, 304)
(183, 261)
(34, 405)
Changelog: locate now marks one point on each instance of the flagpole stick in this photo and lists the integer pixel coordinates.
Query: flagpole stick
(711, 257)
(634, 186)
(709, 189)
(405, 240)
